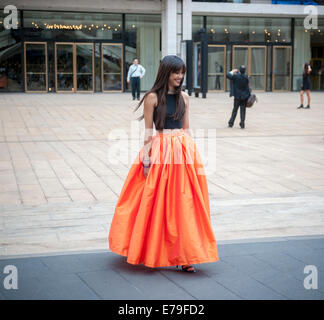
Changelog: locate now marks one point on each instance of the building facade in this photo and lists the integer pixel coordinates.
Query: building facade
(82, 46)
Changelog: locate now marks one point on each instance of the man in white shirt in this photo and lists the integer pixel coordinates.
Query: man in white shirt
(135, 74)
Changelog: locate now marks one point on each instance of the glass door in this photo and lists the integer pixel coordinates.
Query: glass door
(240, 57)
(84, 53)
(74, 67)
(64, 67)
(112, 67)
(257, 70)
(281, 69)
(35, 59)
(216, 67)
(254, 58)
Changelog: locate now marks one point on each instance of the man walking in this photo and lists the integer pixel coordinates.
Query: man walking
(135, 74)
(241, 92)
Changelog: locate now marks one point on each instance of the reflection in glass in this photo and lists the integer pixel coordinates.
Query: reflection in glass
(197, 24)
(241, 57)
(10, 57)
(229, 68)
(10, 68)
(143, 41)
(51, 66)
(303, 41)
(281, 68)
(84, 67)
(257, 68)
(36, 67)
(97, 67)
(73, 25)
(112, 67)
(254, 60)
(216, 68)
(64, 65)
(248, 29)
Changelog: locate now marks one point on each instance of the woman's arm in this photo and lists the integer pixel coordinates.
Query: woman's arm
(150, 102)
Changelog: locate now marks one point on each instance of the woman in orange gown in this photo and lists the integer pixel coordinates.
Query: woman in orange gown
(162, 217)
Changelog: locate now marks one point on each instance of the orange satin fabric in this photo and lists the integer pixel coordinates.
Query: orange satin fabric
(164, 219)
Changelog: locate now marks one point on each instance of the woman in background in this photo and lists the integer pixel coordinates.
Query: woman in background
(305, 86)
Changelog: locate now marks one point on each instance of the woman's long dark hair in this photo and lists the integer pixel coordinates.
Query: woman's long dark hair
(169, 64)
(306, 65)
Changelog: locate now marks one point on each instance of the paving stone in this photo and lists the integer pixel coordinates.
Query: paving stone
(192, 284)
(105, 284)
(246, 264)
(143, 277)
(286, 285)
(78, 262)
(49, 287)
(311, 257)
(26, 266)
(283, 262)
(236, 275)
(248, 288)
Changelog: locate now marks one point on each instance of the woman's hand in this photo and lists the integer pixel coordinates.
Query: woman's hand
(146, 171)
(146, 166)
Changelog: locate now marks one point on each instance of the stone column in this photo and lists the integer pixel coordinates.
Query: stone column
(186, 20)
(169, 27)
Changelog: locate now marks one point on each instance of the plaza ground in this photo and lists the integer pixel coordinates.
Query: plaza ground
(58, 187)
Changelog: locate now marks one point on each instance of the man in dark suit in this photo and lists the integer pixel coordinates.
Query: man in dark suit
(241, 91)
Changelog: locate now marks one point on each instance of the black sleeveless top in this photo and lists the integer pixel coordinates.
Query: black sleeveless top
(306, 82)
(169, 122)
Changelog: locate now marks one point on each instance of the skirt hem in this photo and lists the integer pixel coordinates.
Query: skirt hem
(199, 261)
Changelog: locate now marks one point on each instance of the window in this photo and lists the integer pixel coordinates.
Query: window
(10, 57)
(244, 29)
(72, 25)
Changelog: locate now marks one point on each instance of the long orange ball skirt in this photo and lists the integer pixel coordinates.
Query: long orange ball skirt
(164, 219)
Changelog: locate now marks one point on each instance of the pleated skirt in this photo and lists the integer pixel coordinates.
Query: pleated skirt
(164, 219)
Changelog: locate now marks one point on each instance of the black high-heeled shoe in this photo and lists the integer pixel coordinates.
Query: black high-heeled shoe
(190, 269)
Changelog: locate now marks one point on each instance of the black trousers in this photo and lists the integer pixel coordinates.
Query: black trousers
(238, 103)
(136, 86)
(217, 84)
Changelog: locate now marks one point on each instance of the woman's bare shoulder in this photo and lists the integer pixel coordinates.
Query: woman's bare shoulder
(185, 97)
(185, 94)
(151, 98)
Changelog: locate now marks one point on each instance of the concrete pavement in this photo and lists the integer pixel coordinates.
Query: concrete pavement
(268, 269)
(58, 188)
